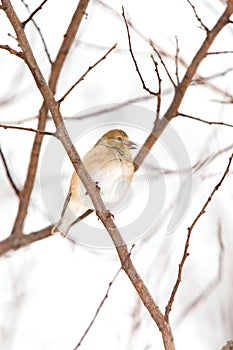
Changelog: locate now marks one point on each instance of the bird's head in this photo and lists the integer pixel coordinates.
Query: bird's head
(118, 139)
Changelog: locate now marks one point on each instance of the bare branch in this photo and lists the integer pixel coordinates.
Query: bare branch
(177, 61)
(163, 63)
(86, 72)
(228, 345)
(33, 13)
(102, 302)
(41, 132)
(133, 57)
(190, 230)
(203, 120)
(162, 52)
(15, 188)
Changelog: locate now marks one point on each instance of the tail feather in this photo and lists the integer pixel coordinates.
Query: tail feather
(62, 227)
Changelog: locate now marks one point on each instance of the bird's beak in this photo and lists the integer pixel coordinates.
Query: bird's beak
(131, 145)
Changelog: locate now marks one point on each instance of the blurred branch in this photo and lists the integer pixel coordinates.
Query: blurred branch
(177, 61)
(40, 34)
(90, 186)
(85, 73)
(102, 302)
(203, 80)
(219, 52)
(33, 13)
(14, 242)
(134, 59)
(203, 120)
(190, 230)
(15, 188)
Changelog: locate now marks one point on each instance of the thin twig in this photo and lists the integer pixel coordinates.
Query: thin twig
(190, 230)
(218, 52)
(180, 90)
(198, 17)
(163, 53)
(203, 120)
(12, 51)
(13, 185)
(133, 57)
(85, 74)
(43, 113)
(177, 61)
(33, 13)
(102, 301)
(90, 186)
(41, 132)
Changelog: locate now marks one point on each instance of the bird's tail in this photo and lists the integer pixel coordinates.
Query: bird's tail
(62, 227)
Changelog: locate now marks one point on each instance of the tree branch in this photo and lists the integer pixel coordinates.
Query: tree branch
(190, 230)
(85, 73)
(11, 50)
(41, 132)
(134, 59)
(14, 242)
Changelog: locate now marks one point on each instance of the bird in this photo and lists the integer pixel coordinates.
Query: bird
(110, 165)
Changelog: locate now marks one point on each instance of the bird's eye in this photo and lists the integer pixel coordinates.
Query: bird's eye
(120, 138)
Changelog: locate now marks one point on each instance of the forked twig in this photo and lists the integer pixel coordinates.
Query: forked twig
(134, 59)
(210, 122)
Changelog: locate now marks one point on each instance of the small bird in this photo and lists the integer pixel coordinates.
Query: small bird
(110, 165)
